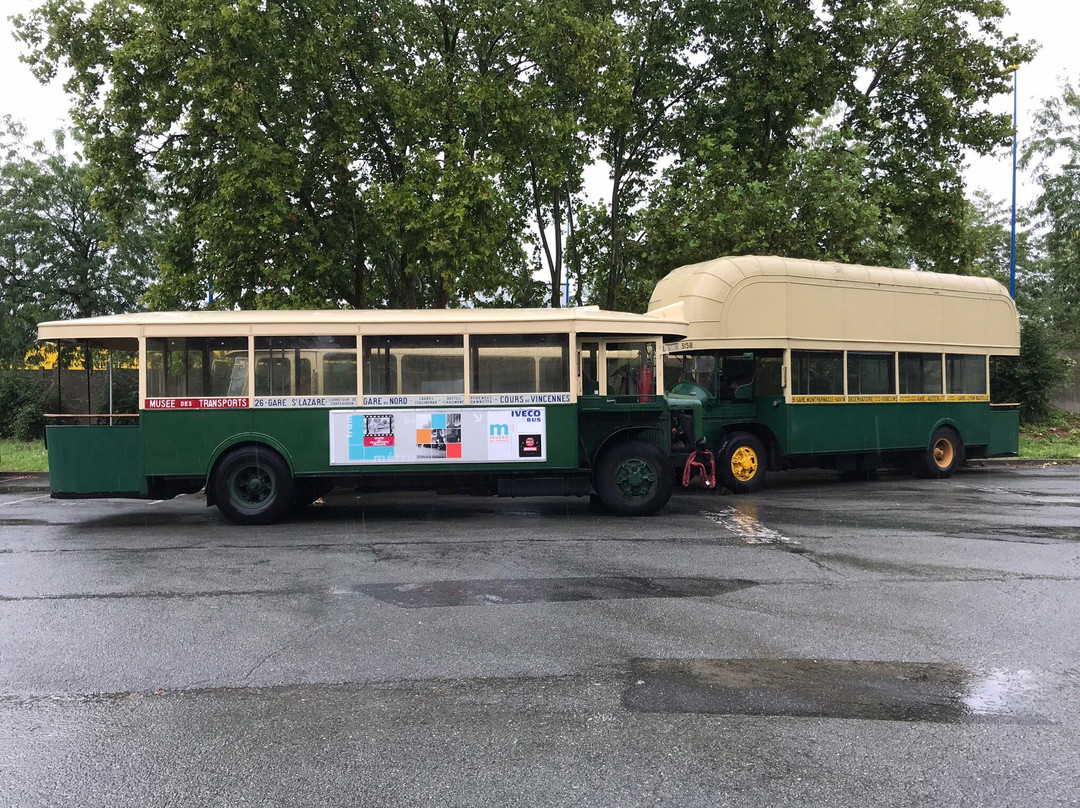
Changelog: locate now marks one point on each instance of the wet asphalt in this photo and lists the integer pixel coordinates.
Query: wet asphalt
(829, 642)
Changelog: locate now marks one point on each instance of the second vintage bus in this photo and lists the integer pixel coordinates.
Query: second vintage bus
(805, 363)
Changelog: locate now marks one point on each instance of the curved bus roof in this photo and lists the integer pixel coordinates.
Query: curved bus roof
(771, 302)
(582, 320)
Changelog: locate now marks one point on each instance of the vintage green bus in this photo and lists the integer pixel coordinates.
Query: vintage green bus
(803, 363)
(269, 410)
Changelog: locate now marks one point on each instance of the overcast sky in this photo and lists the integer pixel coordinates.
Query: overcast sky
(1052, 23)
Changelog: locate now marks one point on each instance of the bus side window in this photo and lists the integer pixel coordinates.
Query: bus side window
(817, 373)
(272, 376)
(196, 366)
(519, 363)
(588, 359)
(768, 376)
(965, 373)
(339, 374)
(303, 377)
(415, 364)
(920, 373)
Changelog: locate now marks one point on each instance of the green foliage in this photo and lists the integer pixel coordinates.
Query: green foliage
(931, 69)
(22, 406)
(29, 423)
(329, 153)
(58, 256)
(807, 204)
(832, 131)
(1040, 371)
(1053, 154)
(406, 153)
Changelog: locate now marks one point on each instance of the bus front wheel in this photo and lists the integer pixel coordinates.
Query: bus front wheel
(253, 486)
(634, 478)
(943, 457)
(743, 465)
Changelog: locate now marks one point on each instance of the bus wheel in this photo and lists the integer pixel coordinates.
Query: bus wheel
(943, 457)
(634, 478)
(253, 486)
(743, 467)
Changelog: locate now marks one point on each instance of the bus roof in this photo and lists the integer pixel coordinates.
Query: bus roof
(337, 322)
(771, 302)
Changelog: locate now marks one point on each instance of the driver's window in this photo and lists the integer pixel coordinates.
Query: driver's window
(630, 368)
(700, 370)
(736, 371)
(673, 370)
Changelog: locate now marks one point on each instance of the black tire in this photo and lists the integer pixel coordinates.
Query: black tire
(743, 465)
(942, 457)
(634, 478)
(253, 486)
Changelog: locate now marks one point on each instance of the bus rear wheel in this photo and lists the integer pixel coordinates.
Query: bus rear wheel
(743, 465)
(943, 457)
(634, 478)
(253, 486)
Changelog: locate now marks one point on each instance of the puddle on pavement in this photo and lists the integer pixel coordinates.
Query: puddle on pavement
(830, 688)
(509, 591)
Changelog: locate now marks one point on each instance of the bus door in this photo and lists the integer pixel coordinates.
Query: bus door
(769, 390)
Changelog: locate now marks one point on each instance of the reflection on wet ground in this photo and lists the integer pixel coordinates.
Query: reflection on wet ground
(831, 688)
(507, 591)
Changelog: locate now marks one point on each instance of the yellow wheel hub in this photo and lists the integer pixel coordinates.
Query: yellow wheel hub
(944, 453)
(744, 464)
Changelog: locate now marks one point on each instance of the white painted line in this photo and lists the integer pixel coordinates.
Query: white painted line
(28, 499)
(744, 524)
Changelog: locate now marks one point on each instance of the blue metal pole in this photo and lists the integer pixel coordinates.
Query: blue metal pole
(1012, 241)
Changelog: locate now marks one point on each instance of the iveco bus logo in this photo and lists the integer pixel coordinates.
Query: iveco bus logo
(499, 430)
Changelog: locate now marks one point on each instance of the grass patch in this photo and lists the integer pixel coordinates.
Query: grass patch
(17, 455)
(1056, 438)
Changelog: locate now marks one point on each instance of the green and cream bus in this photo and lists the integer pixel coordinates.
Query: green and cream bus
(269, 410)
(803, 363)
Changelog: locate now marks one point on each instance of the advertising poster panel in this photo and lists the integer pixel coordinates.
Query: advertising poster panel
(364, 437)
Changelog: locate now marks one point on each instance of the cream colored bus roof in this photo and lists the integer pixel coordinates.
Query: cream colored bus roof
(337, 322)
(761, 302)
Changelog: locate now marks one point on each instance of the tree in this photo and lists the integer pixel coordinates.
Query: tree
(398, 152)
(928, 69)
(1053, 154)
(835, 134)
(808, 203)
(554, 118)
(361, 152)
(59, 258)
(1041, 370)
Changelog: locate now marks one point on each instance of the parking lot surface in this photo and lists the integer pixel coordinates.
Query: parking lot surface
(827, 642)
